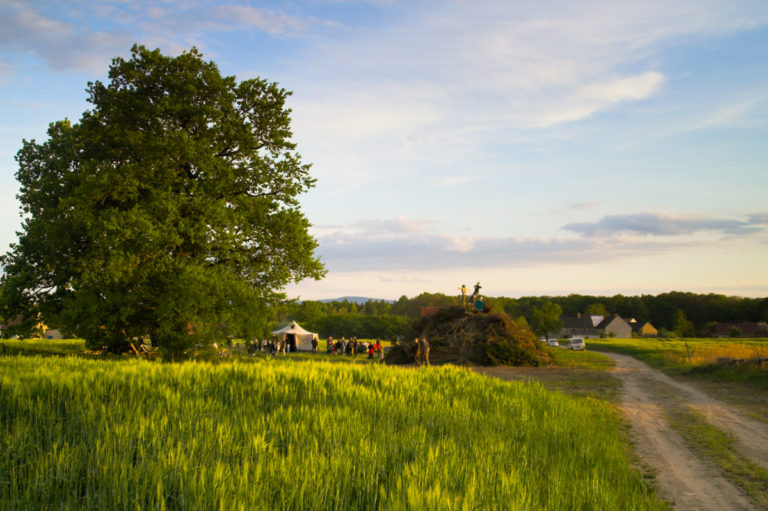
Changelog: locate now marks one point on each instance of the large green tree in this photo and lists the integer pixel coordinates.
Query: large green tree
(170, 209)
(546, 319)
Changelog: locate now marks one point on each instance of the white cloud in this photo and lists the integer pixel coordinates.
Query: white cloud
(622, 89)
(655, 224)
(66, 37)
(233, 17)
(396, 227)
(461, 244)
(62, 44)
(403, 244)
(595, 97)
(734, 114)
(464, 76)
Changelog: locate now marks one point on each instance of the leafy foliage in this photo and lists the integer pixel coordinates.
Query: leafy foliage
(170, 209)
(546, 318)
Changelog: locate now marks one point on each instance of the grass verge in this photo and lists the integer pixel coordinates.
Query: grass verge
(718, 447)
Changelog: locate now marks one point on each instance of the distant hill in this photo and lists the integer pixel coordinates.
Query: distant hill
(355, 299)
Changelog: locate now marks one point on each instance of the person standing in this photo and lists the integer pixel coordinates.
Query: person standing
(314, 344)
(425, 351)
(463, 290)
(379, 350)
(417, 356)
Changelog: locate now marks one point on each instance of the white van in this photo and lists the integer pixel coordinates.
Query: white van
(577, 343)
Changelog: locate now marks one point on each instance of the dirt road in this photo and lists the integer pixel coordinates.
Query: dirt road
(682, 477)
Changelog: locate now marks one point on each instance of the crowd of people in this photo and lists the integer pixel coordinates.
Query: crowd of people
(349, 347)
(352, 347)
(274, 346)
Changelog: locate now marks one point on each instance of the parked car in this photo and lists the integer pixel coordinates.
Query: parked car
(553, 343)
(577, 343)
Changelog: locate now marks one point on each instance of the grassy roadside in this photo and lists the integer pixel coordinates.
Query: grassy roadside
(579, 373)
(718, 447)
(583, 373)
(744, 387)
(692, 357)
(694, 360)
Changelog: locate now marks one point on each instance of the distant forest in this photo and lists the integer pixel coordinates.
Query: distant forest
(674, 313)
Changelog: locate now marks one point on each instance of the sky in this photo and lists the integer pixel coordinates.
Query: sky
(539, 148)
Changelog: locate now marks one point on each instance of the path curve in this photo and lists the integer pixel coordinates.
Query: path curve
(681, 476)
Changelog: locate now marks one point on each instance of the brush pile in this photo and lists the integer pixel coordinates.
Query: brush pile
(460, 336)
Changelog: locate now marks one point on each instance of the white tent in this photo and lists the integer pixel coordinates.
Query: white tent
(296, 336)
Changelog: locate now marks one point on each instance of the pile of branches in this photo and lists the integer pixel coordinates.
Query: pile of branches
(461, 336)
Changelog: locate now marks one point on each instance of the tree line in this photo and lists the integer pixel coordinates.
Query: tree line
(676, 313)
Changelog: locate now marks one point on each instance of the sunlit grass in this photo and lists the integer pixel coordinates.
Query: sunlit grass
(585, 359)
(83, 434)
(42, 346)
(719, 447)
(697, 356)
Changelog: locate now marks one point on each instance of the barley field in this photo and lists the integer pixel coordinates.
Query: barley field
(89, 434)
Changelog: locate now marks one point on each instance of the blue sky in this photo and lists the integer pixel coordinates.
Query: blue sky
(539, 148)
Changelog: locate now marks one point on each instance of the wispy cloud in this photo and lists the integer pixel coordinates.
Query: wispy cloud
(195, 17)
(233, 17)
(595, 97)
(62, 44)
(393, 227)
(651, 224)
(737, 112)
(403, 245)
(477, 75)
(65, 36)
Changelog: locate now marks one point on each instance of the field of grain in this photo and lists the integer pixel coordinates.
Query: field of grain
(266, 434)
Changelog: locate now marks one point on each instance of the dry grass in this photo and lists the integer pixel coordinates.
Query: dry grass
(705, 354)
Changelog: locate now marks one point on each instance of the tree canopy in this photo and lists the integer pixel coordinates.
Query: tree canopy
(547, 318)
(169, 210)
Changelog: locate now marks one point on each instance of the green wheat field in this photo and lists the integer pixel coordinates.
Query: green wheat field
(89, 434)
